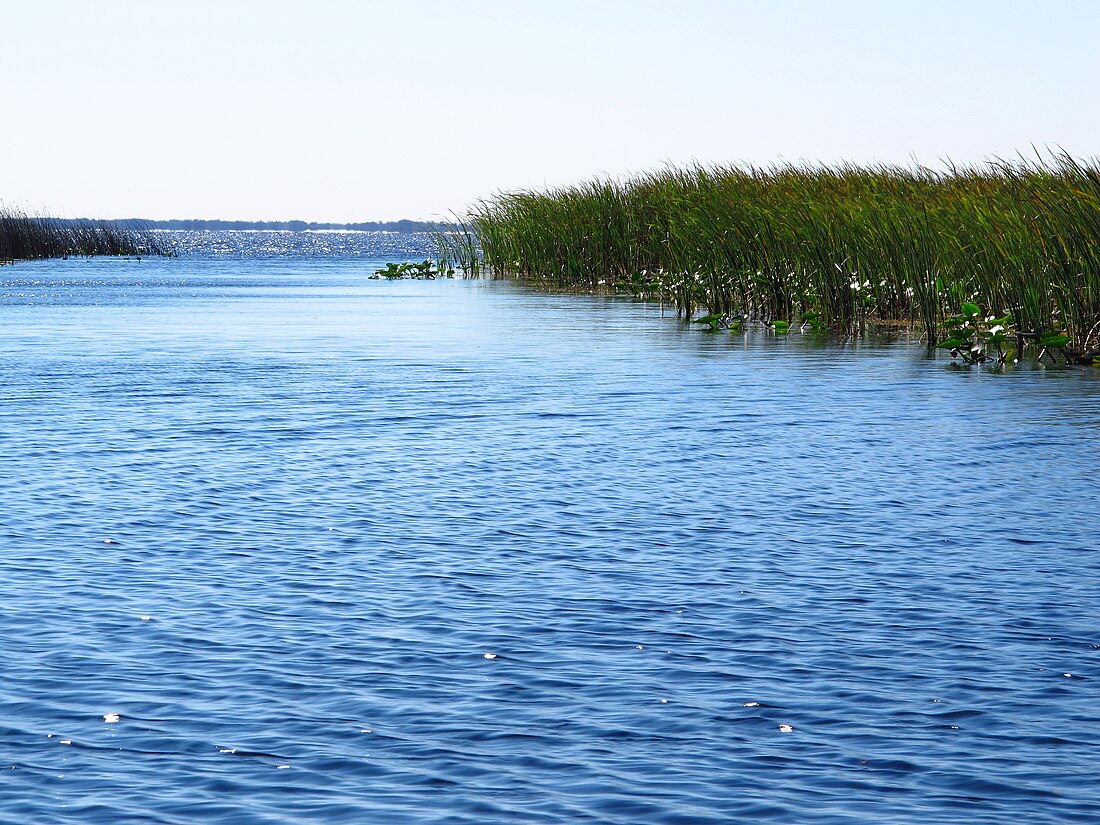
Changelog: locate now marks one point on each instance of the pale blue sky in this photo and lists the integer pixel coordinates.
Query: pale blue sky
(345, 111)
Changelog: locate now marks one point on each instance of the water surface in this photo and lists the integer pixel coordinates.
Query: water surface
(336, 549)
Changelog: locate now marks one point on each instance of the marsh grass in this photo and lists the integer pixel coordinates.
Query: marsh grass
(843, 245)
(24, 237)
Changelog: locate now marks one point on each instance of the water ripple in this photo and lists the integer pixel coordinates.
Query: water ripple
(307, 547)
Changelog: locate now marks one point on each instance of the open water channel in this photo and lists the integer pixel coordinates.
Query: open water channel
(281, 543)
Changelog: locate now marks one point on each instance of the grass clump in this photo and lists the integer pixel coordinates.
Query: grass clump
(24, 237)
(831, 246)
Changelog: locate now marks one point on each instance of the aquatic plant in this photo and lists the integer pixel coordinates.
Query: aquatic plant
(457, 247)
(811, 321)
(422, 271)
(24, 237)
(715, 321)
(973, 337)
(836, 246)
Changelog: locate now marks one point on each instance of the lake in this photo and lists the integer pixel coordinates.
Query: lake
(282, 543)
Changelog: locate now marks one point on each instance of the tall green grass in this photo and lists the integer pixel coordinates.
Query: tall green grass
(851, 243)
(24, 237)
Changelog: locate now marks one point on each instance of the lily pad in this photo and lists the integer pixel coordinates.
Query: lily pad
(1054, 339)
(952, 343)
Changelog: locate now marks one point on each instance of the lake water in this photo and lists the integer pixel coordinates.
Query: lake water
(281, 543)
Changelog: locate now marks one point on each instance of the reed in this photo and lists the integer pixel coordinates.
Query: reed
(845, 244)
(24, 237)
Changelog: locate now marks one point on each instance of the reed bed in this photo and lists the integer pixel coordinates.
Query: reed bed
(24, 237)
(844, 244)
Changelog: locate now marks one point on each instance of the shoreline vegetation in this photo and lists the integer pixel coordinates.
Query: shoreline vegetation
(986, 259)
(24, 237)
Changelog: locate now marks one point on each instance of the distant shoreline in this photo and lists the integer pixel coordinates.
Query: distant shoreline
(283, 226)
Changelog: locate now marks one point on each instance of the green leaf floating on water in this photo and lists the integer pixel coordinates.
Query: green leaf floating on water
(714, 319)
(1054, 339)
(781, 326)
(952, 343)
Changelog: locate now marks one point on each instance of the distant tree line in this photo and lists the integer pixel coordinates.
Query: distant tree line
(291, 226)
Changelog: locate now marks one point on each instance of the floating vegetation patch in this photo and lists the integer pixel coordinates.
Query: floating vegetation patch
(833, 246)
(423, 271)
(975, 338)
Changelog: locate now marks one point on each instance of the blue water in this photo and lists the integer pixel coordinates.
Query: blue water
(281, 543)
